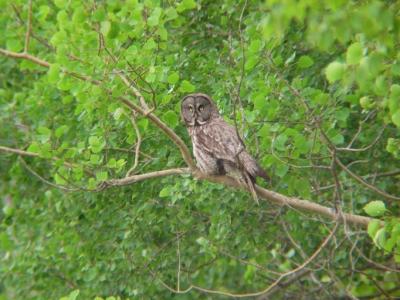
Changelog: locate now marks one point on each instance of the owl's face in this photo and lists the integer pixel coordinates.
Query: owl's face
(197, 109)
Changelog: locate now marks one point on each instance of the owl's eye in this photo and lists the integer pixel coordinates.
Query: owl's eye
(190, 108)
(201, 108)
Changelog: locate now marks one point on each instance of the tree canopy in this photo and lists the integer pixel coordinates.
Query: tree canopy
(100, 195)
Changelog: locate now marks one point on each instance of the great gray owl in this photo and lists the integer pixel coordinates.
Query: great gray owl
(216, 145)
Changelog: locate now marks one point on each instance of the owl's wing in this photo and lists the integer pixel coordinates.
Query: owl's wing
(221, 140)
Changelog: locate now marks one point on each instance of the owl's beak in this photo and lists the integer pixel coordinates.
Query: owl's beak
(195, 119)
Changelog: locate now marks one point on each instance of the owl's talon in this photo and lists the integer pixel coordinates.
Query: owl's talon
(199, 175)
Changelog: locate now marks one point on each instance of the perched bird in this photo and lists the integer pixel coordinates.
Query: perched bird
(217, 147)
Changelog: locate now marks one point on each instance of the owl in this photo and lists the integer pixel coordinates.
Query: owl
(217, 147)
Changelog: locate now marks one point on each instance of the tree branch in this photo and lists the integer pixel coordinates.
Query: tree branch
(136, 178)
(264, 291)
(138, 144)
(18, 151)
(25, 56)
(366, 184)
(28, 27)
(33, 154)
(168, 131)
(294, 202)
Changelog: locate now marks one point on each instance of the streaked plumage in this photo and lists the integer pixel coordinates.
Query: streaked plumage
(216, 145)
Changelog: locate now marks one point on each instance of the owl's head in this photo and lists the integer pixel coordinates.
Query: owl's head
(197, 109)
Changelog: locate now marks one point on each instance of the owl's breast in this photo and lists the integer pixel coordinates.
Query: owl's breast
(206, 162)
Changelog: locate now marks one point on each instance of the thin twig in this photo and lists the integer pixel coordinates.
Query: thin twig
(57, 186)
(366, 184)
(264, 291)
(28, 27)
(359, 130)
(138, 144)
(25, 56)
(136, 178)
(178, 253)
(33, 154)
(135, 91)
(348, 148)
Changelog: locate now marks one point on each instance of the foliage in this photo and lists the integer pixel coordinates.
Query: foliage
(314, 88)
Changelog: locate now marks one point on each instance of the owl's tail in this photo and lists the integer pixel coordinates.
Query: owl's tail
(252, 167)
(249, 180)
(251, 170)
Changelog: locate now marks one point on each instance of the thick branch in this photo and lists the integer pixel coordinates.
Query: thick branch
(294, 202)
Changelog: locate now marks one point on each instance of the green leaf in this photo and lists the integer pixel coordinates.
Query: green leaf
(65, 84)
(260, 102)
(171, 13)
(112, 163)
(186, 4)
(255, 46)
(186, 87)
(44, 11)
(62, 18)
(96, 144)
(354, 54)
(281, 170)
(375, 208)
(163, 33)
(73, 295)
(373, 228)
(79, 16)
(366, 102)
(173, 78)
(165, 192)
(380, 238)
(44, 134)
(337, 139)
(8, 210)
(335, 71)
(61, 130)
(396, 118)
(14, 45)
(53, 74)
(58, 38)
(102, 176)
(105, 27)
(34, 147)
(290, 59)
(150, 44)
(394, 100)
(305, 62)
(154, 18)
(118, 113)
(171, 118)
(60, 3)
(393, 146)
